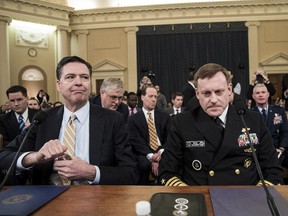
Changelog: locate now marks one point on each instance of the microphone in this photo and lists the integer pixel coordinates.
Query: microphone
(39, 117)
(240, 107)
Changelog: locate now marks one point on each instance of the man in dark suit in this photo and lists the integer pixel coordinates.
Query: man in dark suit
(102, 152)
(208, 144)
(177, 101)
(111, 96)
(138, 130)
(189, 90)
(9, 122)
(274, 117)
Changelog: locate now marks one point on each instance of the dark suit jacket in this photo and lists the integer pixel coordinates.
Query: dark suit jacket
(139, 134)
(189, 92)
(9, 126)
(196, 154)
(123, 108)
(109, 147)
(277, 125)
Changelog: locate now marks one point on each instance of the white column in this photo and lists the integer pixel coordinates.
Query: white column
(4, 58)
(82, 43)
(253, 46)
(131, 58)
(62, 49)
(62, 42)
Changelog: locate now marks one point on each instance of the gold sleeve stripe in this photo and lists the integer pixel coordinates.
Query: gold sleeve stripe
(174, 181)
(266, 182)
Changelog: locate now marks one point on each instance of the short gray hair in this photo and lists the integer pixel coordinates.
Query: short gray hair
(111, 83)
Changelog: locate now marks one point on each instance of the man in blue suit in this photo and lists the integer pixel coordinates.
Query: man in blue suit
(102, 152)
(275, 119)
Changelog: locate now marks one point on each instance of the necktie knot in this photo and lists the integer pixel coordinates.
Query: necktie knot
(220, 124)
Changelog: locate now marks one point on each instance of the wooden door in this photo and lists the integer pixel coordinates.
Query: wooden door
(276, 80)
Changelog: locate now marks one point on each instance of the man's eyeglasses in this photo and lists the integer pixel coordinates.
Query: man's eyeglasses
(115, 98)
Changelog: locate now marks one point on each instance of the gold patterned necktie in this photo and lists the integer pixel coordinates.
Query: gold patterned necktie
(152, 132)
(70, 135)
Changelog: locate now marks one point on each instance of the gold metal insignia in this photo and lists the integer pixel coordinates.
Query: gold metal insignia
(247, 162)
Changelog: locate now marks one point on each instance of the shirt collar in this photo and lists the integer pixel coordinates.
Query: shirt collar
(24, 114)
(223, 116)
(81, 114)
(146, 111)
(261, 108)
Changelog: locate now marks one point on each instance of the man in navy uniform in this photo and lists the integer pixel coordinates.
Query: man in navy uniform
(274, 117)
(199, 152)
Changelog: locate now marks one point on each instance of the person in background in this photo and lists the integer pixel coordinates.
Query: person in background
(20, 116)
(43, 97)
(57, 103)
(161, 99)
(208, 144)
(125, 95)
(249, 104)
(33, 103)
(148, 140)
(14, 123)
(144, 82)
(100, 153)
(260, 76)
(5, 108)
(189, 89)
(111, 96)
(177, 101)
(285, 90)
(274, 117)
(132, 101)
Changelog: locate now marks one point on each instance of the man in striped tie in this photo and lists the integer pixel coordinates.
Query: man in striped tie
(95, 138)
(15, 121)
(20, 116)
(148, 130)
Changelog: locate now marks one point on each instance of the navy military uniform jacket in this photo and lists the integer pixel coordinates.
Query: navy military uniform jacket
(196, 155)
(277, 125)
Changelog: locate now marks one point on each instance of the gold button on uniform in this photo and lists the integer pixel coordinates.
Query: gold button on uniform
(211, 173)
(237, 171)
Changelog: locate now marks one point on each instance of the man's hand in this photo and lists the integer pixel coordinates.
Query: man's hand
(75, 169)
(155, 166)
(156, 157)
(48, 152)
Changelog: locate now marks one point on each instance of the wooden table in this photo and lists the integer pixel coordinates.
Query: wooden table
(116, 200)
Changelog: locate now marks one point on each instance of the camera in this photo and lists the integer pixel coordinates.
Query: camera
(259, 78)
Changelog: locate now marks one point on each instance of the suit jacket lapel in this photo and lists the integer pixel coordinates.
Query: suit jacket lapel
(55, 123)
(232, 132)
(270, 117)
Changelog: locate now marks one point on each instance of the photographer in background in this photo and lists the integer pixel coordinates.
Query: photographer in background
(42, 97)
(260, 76)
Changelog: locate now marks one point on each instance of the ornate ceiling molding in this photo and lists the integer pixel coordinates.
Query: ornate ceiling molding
(228, 11)
(31, 10)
